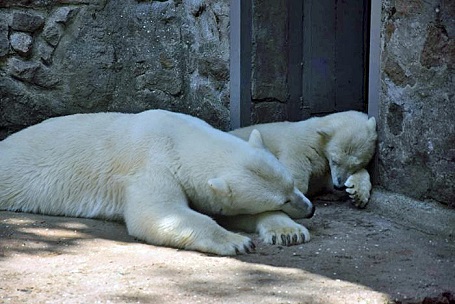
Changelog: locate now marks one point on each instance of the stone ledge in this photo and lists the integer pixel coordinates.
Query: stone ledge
(429, 216)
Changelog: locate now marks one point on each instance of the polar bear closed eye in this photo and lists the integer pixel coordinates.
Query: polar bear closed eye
(165, 174)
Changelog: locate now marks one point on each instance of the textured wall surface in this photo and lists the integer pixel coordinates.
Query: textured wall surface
(72, 56)
(270, 61)
(417, 122)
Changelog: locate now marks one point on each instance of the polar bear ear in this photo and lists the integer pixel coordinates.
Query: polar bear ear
(371, 124)
(220, 186)
(325, 133)
(256, 139)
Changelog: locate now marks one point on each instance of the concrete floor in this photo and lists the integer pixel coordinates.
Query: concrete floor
(394, 250)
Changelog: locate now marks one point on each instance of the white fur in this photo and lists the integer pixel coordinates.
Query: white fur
(146, 169)
(273, 227)
(320, 153)
(321, 149)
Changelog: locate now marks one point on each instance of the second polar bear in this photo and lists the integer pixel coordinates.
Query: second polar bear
(324, 152)
(160, 172)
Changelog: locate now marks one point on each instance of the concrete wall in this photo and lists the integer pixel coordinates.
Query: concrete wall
(63, 57)
(417, 110)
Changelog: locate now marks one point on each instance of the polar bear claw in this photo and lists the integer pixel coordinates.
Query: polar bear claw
(359, 188)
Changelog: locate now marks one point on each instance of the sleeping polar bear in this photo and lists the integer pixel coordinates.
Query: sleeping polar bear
(148, 169)
(324, 152)
(321, 153)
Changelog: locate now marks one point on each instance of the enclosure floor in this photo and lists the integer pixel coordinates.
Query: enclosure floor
(355, 256)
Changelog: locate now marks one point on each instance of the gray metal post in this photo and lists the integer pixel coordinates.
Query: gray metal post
(374, 83)
(374, 77)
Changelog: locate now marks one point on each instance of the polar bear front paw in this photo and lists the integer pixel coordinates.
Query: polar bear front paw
(279, 229)
(286, 236)
(246, 246)
(359, 188)
(227, 243)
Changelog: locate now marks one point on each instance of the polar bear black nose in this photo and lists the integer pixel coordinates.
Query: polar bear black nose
(313, 209)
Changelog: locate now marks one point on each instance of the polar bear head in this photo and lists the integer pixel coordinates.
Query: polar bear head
(257, 182)
(350, 145)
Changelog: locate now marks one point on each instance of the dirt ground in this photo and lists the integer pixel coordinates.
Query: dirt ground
(355, 256)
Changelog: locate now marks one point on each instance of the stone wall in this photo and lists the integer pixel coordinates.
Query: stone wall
(72, 56)
(417, 111)
(269, 86)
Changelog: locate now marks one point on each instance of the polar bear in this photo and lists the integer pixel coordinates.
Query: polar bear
(163, 173)
(324, 152)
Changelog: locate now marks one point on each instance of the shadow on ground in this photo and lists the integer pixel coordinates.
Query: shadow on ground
(355, 256)
(41, 235)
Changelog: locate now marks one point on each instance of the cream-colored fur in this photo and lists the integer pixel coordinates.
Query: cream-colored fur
(323, 152)
(162, 173)
(320, 153)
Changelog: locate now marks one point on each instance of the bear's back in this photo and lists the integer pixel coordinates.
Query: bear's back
(64, 163)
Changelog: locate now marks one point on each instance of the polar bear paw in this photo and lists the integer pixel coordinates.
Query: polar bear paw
(241, 246)
(279, 229)
(359, 188)
(226, 244)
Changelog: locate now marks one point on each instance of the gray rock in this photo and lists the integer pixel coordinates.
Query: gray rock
(23, 70)
(52, 33)
(268, 111)
(195, 7)
(4, 42)
(416, 130)
(33, 73)
(21, 43)
(26, 22)
(64, 14)
(45, 78)
(45, 52)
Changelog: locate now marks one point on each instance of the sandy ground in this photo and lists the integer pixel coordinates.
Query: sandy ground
(355, 256)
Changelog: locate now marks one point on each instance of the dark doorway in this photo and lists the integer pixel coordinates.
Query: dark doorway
(334, 56)
(325, 44)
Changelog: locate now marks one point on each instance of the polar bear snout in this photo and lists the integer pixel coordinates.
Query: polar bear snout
(299, 206)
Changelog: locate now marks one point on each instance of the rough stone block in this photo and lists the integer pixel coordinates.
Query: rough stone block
(23, 70)
(64, 14)
(396, 73)
(408, 7)
(26, 22)
(166, 80)
(438, 48)
(268, 111)
(45, 52)
(214, 67)
(52, 33)
(45, 78)
(269, 51)
(32, 72)
(4, 42)
(21, 43)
